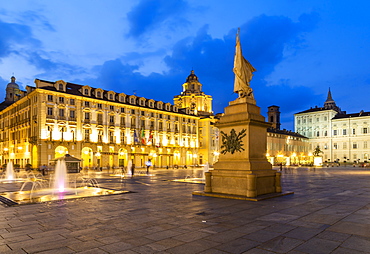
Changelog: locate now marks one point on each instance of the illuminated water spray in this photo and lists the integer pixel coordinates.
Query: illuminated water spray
(60, 176)
(9, 175)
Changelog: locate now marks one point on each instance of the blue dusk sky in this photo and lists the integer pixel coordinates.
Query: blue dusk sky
(148, 47)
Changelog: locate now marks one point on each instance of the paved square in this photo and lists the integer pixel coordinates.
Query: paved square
(329, 213)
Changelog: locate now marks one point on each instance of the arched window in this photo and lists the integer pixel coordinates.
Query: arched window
(99, 94)
(60, 86)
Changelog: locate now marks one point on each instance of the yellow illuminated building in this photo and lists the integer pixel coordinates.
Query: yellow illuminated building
(104, 128)
(283, 146)
(107, 129)
(194, 99)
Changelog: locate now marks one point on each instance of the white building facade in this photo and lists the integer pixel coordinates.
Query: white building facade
(340, 136)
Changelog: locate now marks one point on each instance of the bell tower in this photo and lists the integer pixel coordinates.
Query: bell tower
(193, 97)
(273, 116)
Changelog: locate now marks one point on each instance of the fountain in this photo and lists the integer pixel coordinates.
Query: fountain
(129, 168)
(60, 176)
(59, 186)
(193, 178)
(10, 174)
(205, 169)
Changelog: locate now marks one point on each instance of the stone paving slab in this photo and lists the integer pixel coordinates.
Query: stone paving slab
(328, 213)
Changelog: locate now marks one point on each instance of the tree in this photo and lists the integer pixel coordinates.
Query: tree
(317, 151)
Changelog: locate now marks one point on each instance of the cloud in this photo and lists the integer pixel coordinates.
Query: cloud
(123, 77)
(36, 18)
(13, 35)
(18, 42)
(149, 15)
(264, 41)
(265, 38)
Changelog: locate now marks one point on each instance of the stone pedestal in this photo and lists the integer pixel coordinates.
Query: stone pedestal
(243, 169)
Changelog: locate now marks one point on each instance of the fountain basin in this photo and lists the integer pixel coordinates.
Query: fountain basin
(46, 195)
(190, 180)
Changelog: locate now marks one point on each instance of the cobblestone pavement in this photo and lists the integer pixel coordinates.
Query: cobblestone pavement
(329, 213)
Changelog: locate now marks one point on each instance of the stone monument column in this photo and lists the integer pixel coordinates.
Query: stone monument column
(242, 169)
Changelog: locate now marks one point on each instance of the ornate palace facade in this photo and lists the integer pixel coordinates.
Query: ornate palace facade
(103, 128)
(340, 136)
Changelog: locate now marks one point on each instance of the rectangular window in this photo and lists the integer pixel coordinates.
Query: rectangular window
(132, 111)
(72, 101)
(354, 145)
(111, 136)
(100, 136)
(50, 97)
(87, 135)
(335, 146)
(353, 131)
(87, 104)
(50, 111)
(122, 110)
(100, 118)
(345, 145)
(334, 132)
(99, 106)
(111, 119)
(365, 144)
(61, 99)
(122, 137)
(111, 107)
(87, 116)
(61, 112)
(364, 130)
(344, 131)
(123, 121)
(72, 114)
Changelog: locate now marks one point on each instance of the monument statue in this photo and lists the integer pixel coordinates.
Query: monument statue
(242, 171)
(243, 72)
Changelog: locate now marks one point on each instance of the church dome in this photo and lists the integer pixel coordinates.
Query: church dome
(192, 77)
(12, 84)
